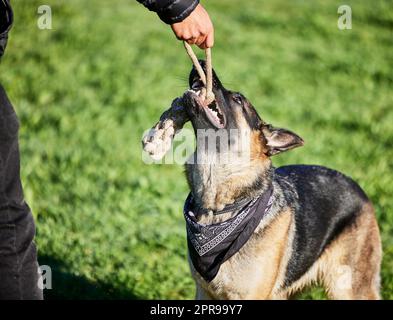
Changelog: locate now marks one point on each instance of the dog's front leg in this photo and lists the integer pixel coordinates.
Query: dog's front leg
(201, 293)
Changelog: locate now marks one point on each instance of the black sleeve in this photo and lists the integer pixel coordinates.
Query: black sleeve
(171, 11)
(6, 18)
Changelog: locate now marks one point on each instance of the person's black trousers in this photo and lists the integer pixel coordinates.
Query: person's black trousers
(18, 255)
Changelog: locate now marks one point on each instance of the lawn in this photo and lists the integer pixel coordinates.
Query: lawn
(111, 226)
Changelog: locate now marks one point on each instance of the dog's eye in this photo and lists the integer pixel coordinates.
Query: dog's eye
(237, 98)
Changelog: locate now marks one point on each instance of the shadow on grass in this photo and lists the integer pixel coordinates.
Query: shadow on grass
(67, 286)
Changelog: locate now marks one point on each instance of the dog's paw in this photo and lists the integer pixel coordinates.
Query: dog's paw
(159, 139)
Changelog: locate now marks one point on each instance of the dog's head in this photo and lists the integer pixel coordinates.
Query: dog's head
(233, 148)
(233, 111)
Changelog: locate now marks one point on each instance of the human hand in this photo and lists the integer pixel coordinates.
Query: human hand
(197, 29)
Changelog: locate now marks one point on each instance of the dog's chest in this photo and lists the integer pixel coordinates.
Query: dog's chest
(254, 271)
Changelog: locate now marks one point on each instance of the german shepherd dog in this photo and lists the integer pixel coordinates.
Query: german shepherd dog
(320, 227)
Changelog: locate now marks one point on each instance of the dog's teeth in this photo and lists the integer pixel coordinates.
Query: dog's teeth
(215, 114)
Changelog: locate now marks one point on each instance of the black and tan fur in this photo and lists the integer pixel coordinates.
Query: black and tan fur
(320, 229)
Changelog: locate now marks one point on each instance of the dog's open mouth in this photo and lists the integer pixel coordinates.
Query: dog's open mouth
(212, 111)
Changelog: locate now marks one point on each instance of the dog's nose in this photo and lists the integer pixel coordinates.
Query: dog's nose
(197, 84)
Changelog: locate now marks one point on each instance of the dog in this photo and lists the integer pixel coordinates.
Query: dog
(302, 224)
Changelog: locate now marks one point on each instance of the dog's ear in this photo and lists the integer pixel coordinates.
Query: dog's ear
(279, 140)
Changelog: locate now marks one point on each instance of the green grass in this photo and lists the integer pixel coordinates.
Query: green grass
(111, 226)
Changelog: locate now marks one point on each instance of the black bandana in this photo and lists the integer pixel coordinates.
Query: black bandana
(211, 245)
